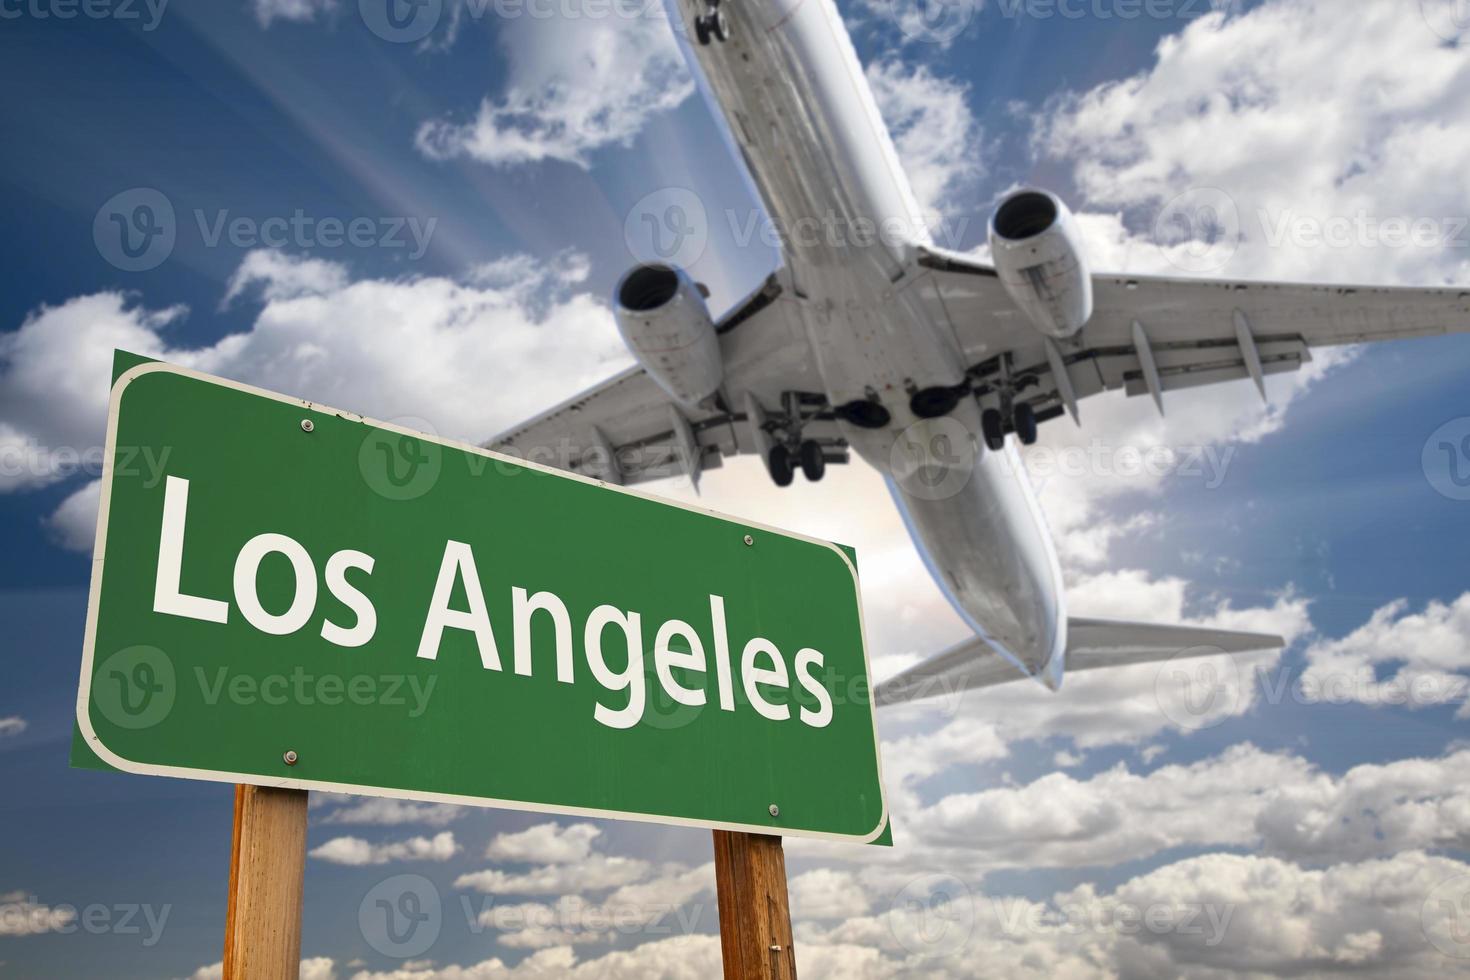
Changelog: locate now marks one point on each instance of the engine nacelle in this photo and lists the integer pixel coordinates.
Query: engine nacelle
(1035, 248)
(666, 324)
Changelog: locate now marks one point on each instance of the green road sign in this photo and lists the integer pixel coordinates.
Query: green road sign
(290, 595)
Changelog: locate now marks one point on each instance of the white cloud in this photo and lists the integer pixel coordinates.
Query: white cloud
(315, 968)
(677, 958)
(934, 131)
(826, 894)
(73, 525)
(1372, 810)
(1117, 815)
(384, 812)
(424, 349)
(13, 725)
(54, 374)
(299, 11)
(547, 843)
(22, 915)
(575, 84)
(662, 902)
(595, 872)
(282, 277)
(1217, 915)
(1428, 654)
(357, 852)
(1257, 105)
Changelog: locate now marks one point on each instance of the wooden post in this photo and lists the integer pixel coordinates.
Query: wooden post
(267, 871)
(755, 919)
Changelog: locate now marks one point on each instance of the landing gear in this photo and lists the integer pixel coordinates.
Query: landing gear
(780, 437)
(1023, 421)
(778, 461)
(711, 26)
(813, 460)
(1004, 390)
(993, 427)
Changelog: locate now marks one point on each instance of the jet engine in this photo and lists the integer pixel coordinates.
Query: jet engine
(1034, 245)
(666, 324)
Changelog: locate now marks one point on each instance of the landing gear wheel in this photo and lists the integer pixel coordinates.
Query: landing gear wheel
(779, 463)
(1025, 424)
(992, 426)
(813, 463)
(711, 26)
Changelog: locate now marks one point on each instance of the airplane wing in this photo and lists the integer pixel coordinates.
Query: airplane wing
(1092, 644)
(1153, 334)
(626, 430)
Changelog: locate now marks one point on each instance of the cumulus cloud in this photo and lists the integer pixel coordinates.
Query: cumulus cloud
(592, 873)
(574, 85)
(660, 903)
(421, 349)
(1324, 174)
(315, 968)
(1397, 658)
(547, 843)
(21, 914)
(934, 131)
(1371, 810)
(382, 811)
(357, 852)
(12, 725)
(676, 958)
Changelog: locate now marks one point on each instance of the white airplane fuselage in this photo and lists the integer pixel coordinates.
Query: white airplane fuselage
(789, 85)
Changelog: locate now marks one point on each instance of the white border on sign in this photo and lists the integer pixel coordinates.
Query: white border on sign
(89, 642)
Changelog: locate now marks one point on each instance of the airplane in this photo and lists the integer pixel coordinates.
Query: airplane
(928, 363)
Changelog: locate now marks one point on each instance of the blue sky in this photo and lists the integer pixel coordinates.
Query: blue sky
(1321, 829)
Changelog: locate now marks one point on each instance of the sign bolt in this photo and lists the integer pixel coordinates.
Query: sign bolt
(749, 539)
(307, 425)
(290, 757)
(775, 810)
